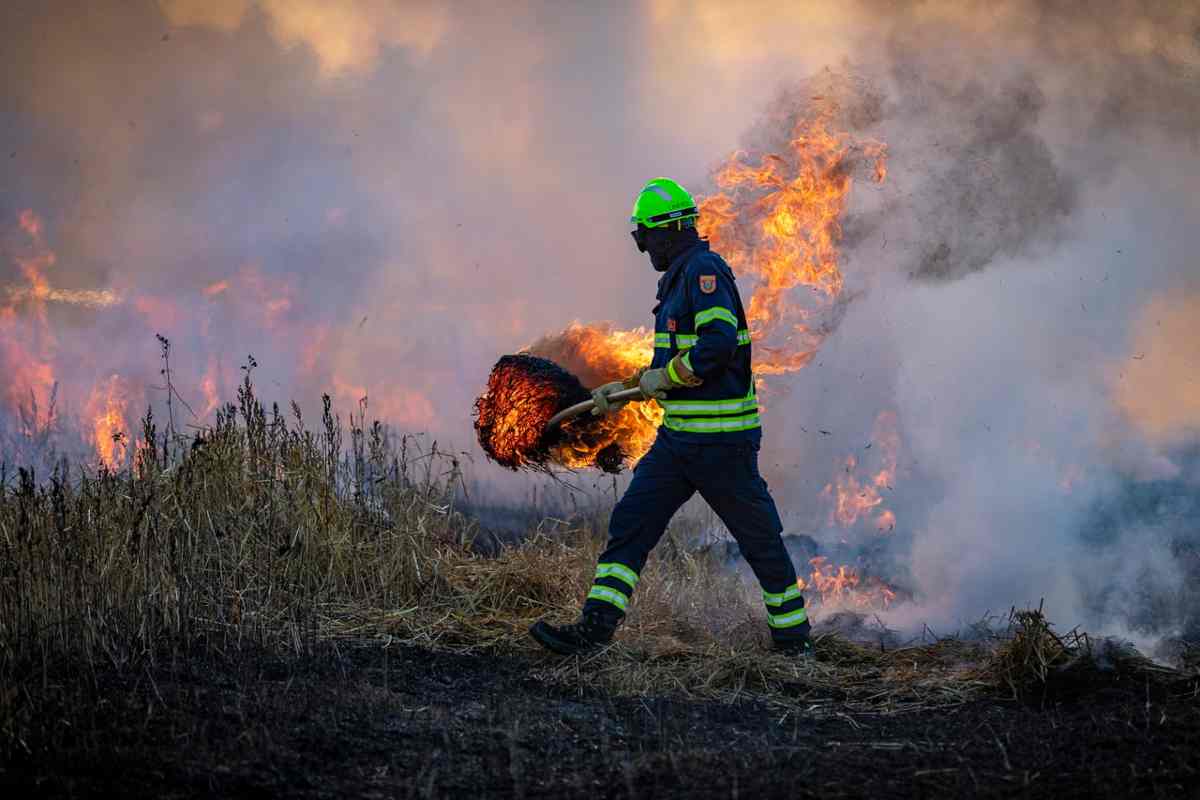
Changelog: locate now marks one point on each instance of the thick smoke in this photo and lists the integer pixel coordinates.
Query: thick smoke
(999, 193)
(1029, 233)
(381, 198)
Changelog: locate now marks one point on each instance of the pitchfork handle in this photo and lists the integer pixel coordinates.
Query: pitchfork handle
(588, 405)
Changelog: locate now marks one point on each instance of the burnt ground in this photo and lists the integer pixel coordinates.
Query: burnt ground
(409, 722)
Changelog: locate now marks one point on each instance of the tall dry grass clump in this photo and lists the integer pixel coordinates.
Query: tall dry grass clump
(1036, 664)
(255, 533)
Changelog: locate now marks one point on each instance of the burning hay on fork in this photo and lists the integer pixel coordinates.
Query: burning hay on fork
(523, 393)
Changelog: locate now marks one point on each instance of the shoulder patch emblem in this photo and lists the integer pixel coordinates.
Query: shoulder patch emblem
(708, 283)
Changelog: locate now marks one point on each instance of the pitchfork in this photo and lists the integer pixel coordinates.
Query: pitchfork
(587, 405)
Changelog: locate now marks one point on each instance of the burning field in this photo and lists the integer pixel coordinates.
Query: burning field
(358, 622)
(777, 217)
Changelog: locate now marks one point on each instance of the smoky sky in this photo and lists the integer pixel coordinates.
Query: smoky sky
(399, 193)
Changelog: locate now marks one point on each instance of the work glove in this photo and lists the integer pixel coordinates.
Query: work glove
(600, 395)
(657, 382)
(600, 398)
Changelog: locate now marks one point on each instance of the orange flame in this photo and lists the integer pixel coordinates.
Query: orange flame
(208, 386)
(854, 499)
(273, 295)
(843, 586)
(38, 290)
(598, 354)
(106, 407)
(35, 265)
(214, 289)
(29, 382)
(28, 350)
(27, 344)
(779, 222)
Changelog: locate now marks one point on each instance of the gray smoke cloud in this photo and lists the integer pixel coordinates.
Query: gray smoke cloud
(1029, 218)
(1001, 190)
(394, 194)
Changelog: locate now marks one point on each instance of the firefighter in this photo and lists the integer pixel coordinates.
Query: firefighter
(708, 441)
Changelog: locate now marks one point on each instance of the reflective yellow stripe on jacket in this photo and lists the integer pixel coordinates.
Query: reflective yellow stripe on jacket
(712, 416)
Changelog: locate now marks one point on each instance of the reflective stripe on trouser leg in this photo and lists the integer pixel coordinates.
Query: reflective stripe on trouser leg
(610, 596)
(783, 621)
(613, 584)
(785, 609)
(659, 487)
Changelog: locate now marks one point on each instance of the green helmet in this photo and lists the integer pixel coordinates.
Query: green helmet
(662, 201)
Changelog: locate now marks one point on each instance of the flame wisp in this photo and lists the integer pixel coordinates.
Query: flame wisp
(843, 587)
(106, 407)
(854, 498)
(777, 220)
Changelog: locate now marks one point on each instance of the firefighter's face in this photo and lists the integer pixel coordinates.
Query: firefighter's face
(656, 243)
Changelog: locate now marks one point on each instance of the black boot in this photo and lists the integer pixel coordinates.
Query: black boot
(796, 648)
(797, 642)
(590, 632)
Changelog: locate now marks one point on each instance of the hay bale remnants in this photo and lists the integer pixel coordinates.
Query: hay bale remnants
(523, 393)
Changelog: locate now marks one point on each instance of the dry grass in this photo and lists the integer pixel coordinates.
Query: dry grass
(261, 533)
(1035, 663)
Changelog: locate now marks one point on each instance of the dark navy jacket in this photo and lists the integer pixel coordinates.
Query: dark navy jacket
(700, 313)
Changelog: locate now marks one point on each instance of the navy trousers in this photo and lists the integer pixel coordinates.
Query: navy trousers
(726, 476)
